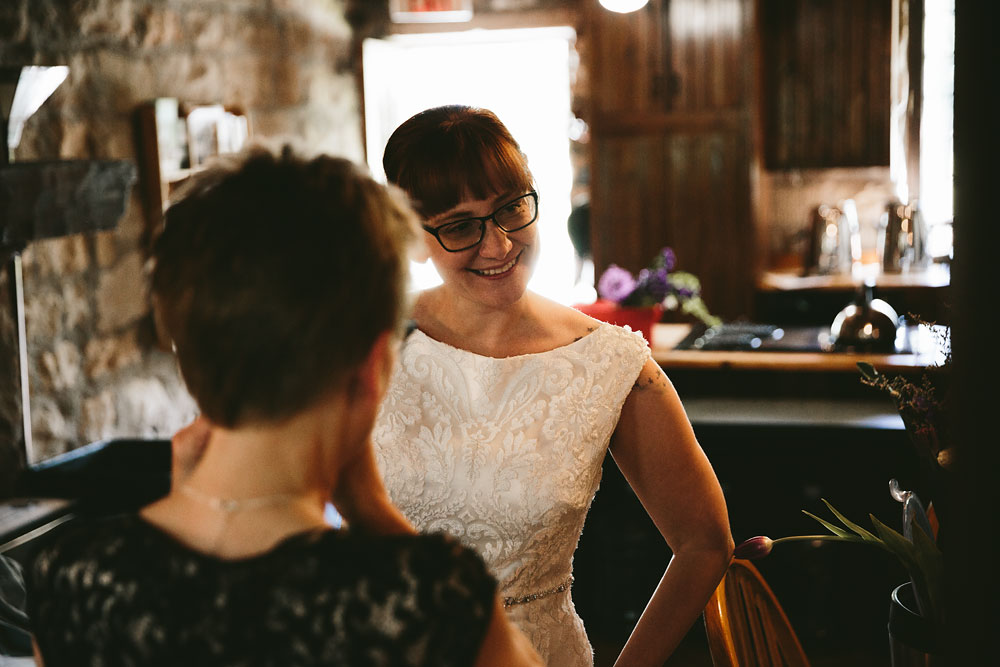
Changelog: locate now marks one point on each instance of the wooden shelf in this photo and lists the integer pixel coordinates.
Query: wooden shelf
(171, 149)
(936, 275)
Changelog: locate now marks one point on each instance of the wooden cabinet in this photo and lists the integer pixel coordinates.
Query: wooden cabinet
(671, 142)
(825, 82)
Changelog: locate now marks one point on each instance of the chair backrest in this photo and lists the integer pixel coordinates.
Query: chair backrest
(746, 625)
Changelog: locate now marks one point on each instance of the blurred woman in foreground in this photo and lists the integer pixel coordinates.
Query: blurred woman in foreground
(279, 281)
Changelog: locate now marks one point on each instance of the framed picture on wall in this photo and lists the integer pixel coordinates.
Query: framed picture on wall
(430, 11)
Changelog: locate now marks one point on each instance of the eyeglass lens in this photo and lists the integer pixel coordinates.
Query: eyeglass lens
(510, 217)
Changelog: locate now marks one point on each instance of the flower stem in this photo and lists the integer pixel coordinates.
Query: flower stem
(823, 538)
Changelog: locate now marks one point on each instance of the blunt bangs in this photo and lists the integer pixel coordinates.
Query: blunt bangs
(467, 154)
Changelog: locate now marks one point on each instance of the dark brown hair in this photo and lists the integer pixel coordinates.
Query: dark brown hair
(444, 155)
(273, 277)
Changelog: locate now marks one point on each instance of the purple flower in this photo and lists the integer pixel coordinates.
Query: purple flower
(615, 284)
(654, 283)
(667, 259)
(755, 547)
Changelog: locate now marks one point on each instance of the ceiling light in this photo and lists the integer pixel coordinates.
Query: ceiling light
(623, 6)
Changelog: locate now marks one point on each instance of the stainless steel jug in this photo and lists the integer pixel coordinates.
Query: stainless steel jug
(902, 238)
(834, 240)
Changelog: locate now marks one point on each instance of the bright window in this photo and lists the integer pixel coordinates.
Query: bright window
(936, 123)
(521, 75)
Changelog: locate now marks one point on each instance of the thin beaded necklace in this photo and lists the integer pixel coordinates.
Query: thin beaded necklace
(231, 505)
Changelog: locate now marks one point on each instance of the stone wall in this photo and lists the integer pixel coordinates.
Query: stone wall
(95, 369)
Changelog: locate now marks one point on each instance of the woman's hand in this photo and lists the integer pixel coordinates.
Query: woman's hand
(361, 499)
(504, 645)
(657, 452)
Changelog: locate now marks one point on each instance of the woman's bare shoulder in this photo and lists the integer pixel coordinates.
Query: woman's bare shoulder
(564, 322)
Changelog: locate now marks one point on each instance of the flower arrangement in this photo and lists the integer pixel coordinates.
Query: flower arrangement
(923, 407)
(656, 285)
(915, 548)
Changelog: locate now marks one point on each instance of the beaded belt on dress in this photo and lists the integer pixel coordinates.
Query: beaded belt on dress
(510, 601)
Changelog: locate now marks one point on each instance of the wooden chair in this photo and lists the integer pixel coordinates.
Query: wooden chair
(746, 625)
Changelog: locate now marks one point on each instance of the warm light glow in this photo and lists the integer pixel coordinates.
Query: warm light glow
(623, 6)
(936, 123)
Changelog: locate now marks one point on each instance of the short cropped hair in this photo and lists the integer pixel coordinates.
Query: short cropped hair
(444, 155)
(274, 275)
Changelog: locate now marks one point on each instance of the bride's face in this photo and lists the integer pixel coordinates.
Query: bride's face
(494, 272)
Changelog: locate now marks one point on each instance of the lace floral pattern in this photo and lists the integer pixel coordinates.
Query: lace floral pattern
(505, 455)
(120, 592)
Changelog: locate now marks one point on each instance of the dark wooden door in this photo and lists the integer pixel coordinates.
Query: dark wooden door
(672, 143)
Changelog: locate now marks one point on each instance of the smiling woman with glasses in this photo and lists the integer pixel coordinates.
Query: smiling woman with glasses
(465, 233)
(498, 418)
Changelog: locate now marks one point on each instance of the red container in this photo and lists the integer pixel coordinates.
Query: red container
(639, 319)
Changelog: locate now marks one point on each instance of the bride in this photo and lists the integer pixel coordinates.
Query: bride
(498, 418)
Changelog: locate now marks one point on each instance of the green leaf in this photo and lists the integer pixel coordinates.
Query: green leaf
(897, 544)
(836, 530)
(865, 535)
(922, 560)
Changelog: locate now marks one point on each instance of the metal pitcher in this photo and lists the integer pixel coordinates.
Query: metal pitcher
(902, 238)
(834, 240)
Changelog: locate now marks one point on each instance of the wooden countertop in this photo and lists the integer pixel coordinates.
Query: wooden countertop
(935, 275)
(667, 336)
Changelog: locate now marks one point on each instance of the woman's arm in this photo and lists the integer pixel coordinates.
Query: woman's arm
(656, 450)
(504, 645)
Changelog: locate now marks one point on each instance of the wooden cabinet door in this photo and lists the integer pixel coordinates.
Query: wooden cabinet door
(687, 190)
(825, 74)
(671, 145)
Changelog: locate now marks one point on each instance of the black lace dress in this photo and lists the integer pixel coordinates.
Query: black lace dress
(119, 591)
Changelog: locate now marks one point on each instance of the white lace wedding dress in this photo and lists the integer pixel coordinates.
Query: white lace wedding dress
(505, 454)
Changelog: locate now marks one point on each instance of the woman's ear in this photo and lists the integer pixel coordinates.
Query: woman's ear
(375, 371)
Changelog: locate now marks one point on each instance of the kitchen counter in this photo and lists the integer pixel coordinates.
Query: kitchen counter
(786, 389)
(926, 352)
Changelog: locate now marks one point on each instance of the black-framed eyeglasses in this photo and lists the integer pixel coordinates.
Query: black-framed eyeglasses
(468, 232)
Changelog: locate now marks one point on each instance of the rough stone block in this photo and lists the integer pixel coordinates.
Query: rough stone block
(60, 367)
(252, 82)
(42, 315)
(105, 249)
(98, 417)
(76, 307)
(146, 406)
(107, 20)
(55, 257)
(122, 294)
(103, 356)
(53, 431)
(159, 27)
